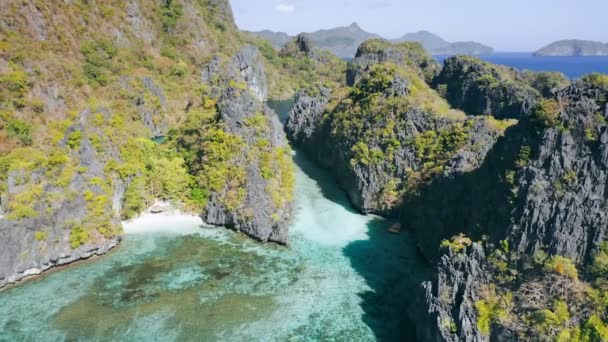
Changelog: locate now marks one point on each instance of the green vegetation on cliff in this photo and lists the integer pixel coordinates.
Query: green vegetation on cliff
(79, 104)
(549, 302)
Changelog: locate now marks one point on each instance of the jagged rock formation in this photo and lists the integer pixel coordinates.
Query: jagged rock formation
(533, 199)
(574, 47)
(378, 51)
(300, 46)
(377, 138)
(247, 65)
(151, 103)
(33, 234)
(563, 184)
(478, 87)
(541, 191)
(451, 297)
(243, 114)
(88, 126)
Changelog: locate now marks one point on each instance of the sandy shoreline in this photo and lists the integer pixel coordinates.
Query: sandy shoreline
(172, 220)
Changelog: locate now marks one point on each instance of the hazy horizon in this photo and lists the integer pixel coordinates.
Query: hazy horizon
(516, 26)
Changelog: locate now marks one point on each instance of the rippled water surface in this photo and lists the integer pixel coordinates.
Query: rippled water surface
(343, 278)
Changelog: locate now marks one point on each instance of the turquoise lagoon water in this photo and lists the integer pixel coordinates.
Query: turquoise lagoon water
(342, 278)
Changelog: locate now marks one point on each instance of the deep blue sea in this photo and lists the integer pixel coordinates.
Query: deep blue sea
(573, 67)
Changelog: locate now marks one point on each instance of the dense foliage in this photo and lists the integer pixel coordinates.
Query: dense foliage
(551, 301)
(79, 104)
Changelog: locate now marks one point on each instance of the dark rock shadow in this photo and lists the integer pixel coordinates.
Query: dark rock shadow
(390, 263)
(477, 203)
(394, 270)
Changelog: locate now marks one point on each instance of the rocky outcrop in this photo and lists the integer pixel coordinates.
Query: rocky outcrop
(243, 115)
(540, 189)
(562, 188)
(52, 234)
(377, 154)
(151, 104)
(451, 296)
(68, 175)
(480, 88)
(247, 66)
(23, 255)
(299, 47)
(377, 51)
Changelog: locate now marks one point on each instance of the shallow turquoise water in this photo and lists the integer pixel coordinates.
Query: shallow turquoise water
(343, 278)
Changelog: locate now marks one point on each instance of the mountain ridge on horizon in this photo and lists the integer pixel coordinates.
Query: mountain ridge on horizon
(343, 41)
(573, 47)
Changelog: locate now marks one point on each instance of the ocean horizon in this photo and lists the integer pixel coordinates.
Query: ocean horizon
(572, 66)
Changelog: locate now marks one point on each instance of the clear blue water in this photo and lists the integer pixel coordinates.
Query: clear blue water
(343, 278)
(573, 67)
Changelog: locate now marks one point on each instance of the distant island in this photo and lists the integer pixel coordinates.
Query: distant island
(344, 41)
(439, 46)
(574, 47)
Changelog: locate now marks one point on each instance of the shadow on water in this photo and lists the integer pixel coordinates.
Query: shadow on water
(394, 270)
(390, 264)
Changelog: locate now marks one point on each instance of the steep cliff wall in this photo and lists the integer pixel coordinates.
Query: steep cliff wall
(91, 96)
(539, 211)
(390, 132)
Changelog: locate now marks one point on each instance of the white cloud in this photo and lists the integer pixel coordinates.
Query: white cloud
(285, 8)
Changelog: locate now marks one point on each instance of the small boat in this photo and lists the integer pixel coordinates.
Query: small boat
(395, 228)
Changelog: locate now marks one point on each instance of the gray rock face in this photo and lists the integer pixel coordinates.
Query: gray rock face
(151, 104)
(478, 87)
(450, 298)
(574, 47)
(305, 117)
(305, 45)
(258, 216)
(32, 245)
(554, 200)
(23, 255)
(563, 186)
(378, 51)
(366, 184)
(247, 65)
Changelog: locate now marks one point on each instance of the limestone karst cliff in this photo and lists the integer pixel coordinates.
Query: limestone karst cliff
(97, 103)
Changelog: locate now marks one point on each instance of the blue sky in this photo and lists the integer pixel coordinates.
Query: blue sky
(507, 25)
